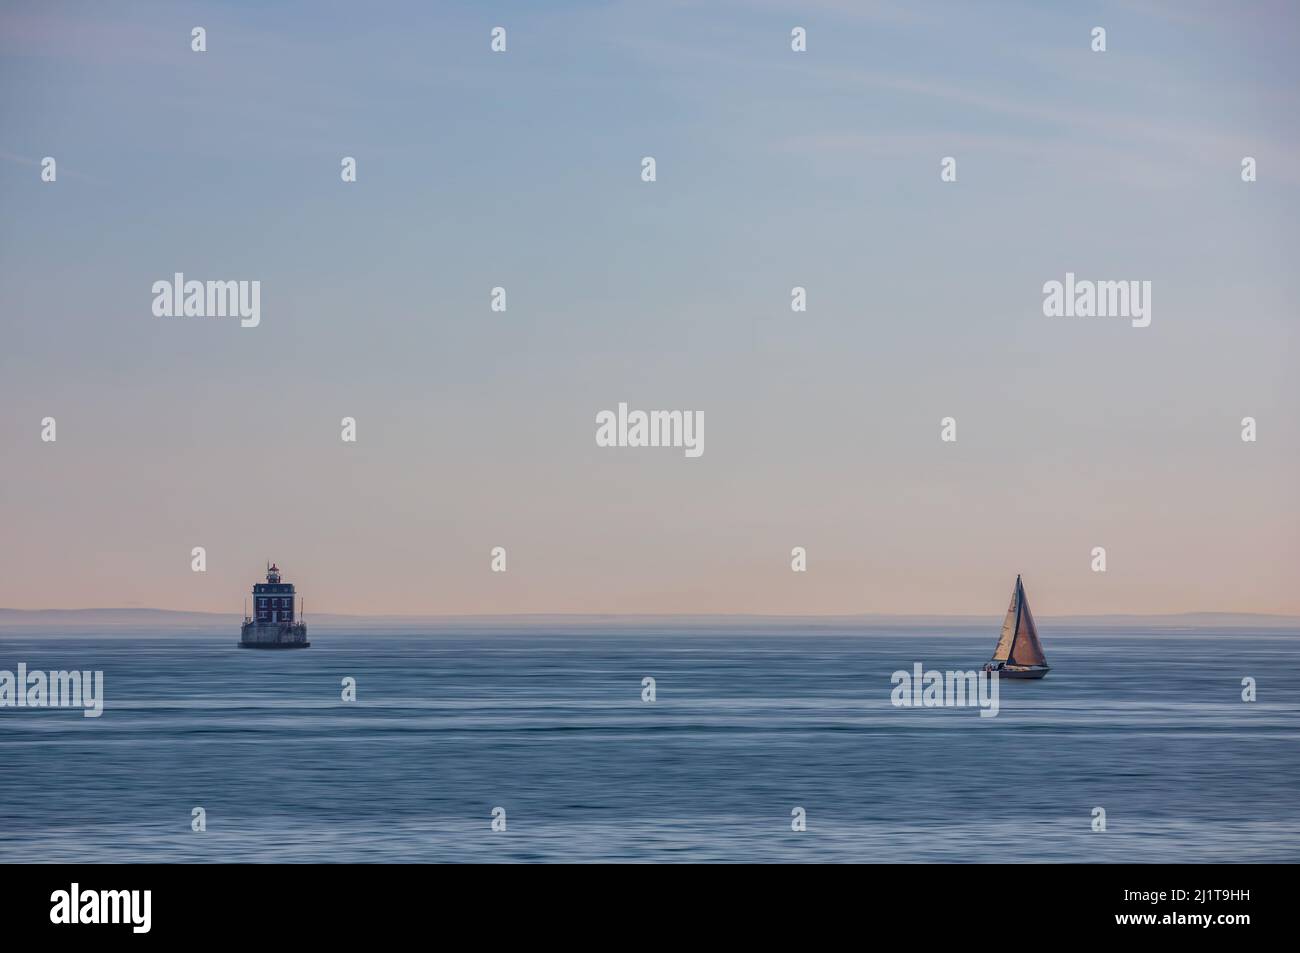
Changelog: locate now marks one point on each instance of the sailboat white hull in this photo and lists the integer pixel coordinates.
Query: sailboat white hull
(1027, 671)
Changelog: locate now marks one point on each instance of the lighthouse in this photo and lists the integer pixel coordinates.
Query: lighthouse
(273, 624)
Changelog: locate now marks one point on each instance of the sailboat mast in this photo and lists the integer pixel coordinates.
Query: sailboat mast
(1020, 607)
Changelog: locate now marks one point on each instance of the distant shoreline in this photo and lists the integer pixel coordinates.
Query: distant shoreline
(170, 618)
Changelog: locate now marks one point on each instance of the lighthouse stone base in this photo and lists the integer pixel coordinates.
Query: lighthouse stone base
(273, 635)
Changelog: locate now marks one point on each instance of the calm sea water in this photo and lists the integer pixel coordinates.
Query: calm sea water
(550, 725)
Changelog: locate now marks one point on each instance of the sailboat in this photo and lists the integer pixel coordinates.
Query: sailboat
(1018, 653)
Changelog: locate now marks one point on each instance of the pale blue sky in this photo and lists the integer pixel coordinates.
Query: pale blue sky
(775, 169)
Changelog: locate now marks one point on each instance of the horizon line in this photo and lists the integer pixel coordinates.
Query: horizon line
(674, 615)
